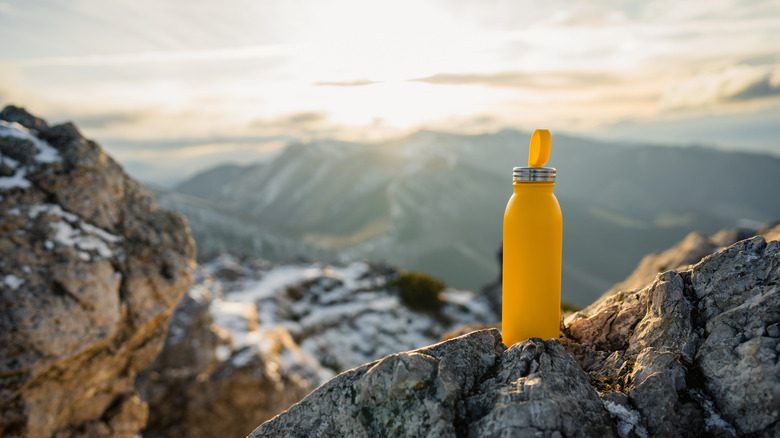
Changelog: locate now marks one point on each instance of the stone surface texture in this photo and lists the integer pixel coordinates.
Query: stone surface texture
(91, 271)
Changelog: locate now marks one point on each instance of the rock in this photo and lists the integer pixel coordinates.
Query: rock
(233, 346)
(470, 385)
(692, 350)
(331, 310)
(538, 389)
(19, 115)
(693, 353)
(491, 292)
(690, 250)
(207, 383)
(90, 274)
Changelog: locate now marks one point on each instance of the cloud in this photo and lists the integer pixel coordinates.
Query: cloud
(352, 83)
(6, 8)
(763, 87)
(517, 79)
(108, 119)
(160, 57)
(306, 120)
(735, 83)
(305, 125)
(589, 16)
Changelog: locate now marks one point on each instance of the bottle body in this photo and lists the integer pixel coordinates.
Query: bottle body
(531, 287)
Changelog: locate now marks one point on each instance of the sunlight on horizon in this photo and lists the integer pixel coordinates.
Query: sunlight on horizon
(148, 71)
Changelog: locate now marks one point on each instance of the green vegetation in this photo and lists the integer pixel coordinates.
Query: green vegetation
(419, 291)
(296, 292)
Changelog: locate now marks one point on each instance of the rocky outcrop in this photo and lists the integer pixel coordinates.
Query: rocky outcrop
(90, 274)
(696, 348)
(693, 353)
(232, 357)
(208, 382)
(330, 310)
(470, 385)
(690, 250)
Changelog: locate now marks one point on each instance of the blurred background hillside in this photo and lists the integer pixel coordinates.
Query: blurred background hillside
(348, 130)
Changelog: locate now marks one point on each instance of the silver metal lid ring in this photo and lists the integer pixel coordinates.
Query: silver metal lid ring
(534, 174)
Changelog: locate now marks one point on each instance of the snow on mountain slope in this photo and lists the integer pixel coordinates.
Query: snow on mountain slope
(433, 202)
(343, 315)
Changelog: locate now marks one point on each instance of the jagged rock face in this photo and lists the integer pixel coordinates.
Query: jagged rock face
(690, 250)
(207, 382)
(693, 353)
(470, 385)
(696, 349)
(90, 274)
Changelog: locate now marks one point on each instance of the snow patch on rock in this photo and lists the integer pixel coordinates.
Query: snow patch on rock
(628, 420)
(343, 315)
(713, 422)
(13, 281)
(68, 230)
(44, 153)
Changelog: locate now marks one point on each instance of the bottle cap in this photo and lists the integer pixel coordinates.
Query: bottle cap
(538, 154)
(539, 148)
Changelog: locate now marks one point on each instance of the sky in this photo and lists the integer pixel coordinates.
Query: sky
(183, 81)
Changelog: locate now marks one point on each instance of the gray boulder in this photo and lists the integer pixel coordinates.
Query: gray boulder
(470, 385)
(693, 353)
(90, 274)
(694, 350)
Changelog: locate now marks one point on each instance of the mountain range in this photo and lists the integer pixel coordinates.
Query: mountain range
(434, 202)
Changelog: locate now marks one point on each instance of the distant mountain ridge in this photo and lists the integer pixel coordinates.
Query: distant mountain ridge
(434, 201)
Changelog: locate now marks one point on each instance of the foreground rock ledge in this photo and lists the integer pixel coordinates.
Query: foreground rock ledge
(90, 273)
(695, 353)
(470, 385)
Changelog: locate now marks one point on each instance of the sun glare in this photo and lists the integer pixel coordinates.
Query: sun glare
(378, 69)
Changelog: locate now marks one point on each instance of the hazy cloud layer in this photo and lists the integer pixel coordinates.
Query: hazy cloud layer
(739, 83)
(149, 71)
(352, 83)
(516, 79)
(109, 119)
(296, 124)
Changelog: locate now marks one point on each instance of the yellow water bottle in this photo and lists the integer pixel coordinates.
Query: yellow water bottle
(533, 238)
